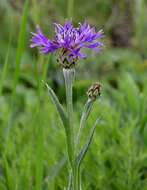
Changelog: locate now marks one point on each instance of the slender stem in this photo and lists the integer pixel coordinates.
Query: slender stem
(70, 181)
(69, 78)
(79, 178)
(75, 177)
(69, 75)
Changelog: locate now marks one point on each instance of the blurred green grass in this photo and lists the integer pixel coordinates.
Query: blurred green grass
(32, 140)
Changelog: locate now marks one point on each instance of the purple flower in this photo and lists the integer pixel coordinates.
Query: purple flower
(69, 40)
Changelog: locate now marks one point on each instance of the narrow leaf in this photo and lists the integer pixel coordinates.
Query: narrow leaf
(85, 148)
(84, 117)
(64, 119)
(5, 68)
(21, 44)
(39, 153)
(58, 106)
(8, 174)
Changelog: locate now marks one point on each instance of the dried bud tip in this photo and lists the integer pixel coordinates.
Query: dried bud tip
(94, 91)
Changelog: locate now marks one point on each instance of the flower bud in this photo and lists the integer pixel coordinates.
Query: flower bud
(94, 91)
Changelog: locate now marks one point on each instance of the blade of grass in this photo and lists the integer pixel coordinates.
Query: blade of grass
(20, 47)
(45, 63)
(8, 174)
(40, 128)
(39, 150)
(5, 68)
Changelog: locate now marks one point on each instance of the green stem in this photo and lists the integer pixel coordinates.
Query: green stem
(70, 181)
(69, 78)
(69, 75)
(79, 178)
(76, 177)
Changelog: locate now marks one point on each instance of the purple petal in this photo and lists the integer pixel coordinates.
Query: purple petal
(42, 42)
(58, 28)
(95, 45)
(68, 25)
(68, 38)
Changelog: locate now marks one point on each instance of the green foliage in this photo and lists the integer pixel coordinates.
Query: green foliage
(32, 141)
(21, 43)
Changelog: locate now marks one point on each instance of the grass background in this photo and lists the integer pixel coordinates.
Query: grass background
(32, 140)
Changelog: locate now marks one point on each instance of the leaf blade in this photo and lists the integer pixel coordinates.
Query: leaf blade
(85, 148)
(84, 118)
(58, 106)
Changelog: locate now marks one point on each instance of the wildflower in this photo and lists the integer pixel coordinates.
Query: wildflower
(69, 41)
(94, 91)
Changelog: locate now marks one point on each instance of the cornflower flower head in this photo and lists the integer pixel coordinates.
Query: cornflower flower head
(68, 41)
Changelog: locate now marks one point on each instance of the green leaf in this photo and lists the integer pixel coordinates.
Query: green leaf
(8, 174)
(58, 106)
(5, 68)
(39, 136)
(21, 45)
(131, 92)
(64, 119)
(84, 117)
(19, 53)
(85, 148)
